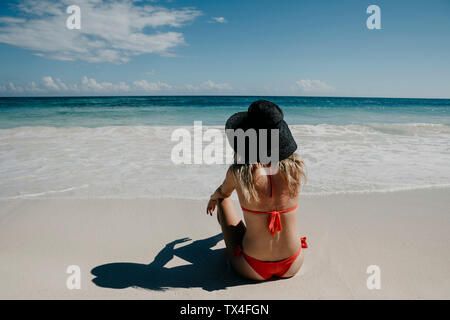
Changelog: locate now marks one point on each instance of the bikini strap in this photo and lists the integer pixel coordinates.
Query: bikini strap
(270, 212)
(275, 218)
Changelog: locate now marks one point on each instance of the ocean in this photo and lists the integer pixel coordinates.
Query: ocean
(121, 147)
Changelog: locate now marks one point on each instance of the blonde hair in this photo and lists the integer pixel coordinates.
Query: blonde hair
(292, 170)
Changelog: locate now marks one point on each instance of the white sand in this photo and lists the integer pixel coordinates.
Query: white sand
(405, 233)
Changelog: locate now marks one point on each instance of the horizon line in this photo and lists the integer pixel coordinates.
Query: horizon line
(218, 95)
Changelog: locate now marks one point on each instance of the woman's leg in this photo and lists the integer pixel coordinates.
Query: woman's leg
(233, 230)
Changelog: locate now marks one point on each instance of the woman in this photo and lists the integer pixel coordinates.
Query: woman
(268, 244)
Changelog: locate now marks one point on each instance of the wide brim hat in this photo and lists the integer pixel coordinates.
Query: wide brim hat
(262, 114)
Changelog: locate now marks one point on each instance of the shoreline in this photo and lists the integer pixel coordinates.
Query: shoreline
(405, 233)
(234, 197)
(138, 162)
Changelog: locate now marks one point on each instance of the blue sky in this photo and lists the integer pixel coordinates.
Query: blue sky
(252, 47)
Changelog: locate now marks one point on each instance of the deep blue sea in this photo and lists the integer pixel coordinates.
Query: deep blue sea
(121, 147)
(213, 110)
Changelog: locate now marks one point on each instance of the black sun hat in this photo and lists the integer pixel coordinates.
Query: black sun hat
(262, 114)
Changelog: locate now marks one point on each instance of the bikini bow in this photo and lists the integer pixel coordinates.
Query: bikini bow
(303, 241)
(275, 222)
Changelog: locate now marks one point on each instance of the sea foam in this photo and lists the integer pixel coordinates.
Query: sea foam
(135, 161)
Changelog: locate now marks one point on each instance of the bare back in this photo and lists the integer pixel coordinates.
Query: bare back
(258, 242)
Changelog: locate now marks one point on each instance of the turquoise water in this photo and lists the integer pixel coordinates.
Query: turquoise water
(213, 110)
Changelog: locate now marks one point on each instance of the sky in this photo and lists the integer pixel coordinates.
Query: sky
(225, 47)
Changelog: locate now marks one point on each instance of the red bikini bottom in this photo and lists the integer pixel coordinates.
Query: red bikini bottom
(268, 269)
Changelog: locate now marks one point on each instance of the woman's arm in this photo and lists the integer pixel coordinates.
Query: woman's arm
(223, 191)
(226, 188)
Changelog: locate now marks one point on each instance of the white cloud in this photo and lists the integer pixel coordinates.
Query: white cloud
(313, 86)
(33, 88)
(149, 73)
(111, 31)
(61, 85)
(51, 85)
(48, 85)
(91, 85)
(216, 86)
(220, 19)
(7, 20)
(14, 89)
(151, 86)
(209, 86)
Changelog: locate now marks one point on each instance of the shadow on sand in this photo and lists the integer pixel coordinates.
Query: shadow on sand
(209, 269)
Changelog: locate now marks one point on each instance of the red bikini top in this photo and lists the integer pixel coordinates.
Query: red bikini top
(275, 219)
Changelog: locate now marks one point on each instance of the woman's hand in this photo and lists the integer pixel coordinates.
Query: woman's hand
(212, 203)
